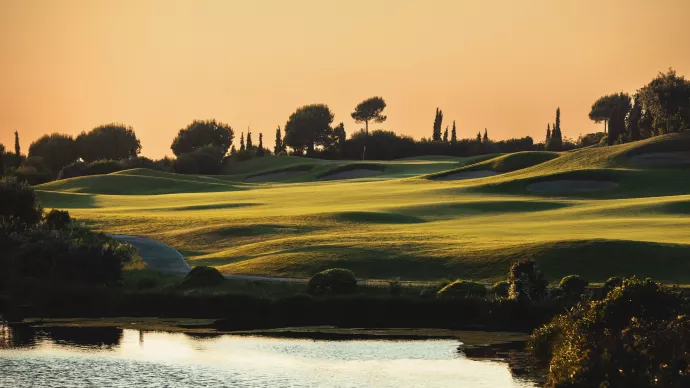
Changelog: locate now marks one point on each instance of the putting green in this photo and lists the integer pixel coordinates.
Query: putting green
(406, 223)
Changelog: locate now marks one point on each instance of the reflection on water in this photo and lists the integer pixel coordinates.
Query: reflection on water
(111, 357)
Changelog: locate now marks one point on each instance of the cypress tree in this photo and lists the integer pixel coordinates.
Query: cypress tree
(2, 160)
(634, 120)
(17, 150)
(445, 135)
(242, 142)
(486, 136)
(250, 145)
(479, 137)
(548, 133)
(260, 150)
(453, 136)
(437, 125)
(279, 142)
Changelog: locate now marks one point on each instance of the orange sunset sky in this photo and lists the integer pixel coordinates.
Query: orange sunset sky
(70, 65)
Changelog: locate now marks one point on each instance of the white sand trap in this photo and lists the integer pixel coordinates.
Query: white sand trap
(571, 186)
(467, 175)
(661, 158)
(352, 174)
(273, 176)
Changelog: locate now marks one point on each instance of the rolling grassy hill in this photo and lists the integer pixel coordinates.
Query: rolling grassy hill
(284, 216)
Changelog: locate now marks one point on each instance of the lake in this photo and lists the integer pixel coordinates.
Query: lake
(112, 357)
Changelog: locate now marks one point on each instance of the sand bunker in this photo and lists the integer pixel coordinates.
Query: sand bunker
(273, 176)
(352, 174)
(467, 175)
(571, 186)
(661, 158)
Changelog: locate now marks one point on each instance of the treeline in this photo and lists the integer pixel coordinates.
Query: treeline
(203, 147)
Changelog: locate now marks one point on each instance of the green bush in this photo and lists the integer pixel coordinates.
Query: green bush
(462, 289)
(103, 166)
(19, 208)
(573, 286)
(335, 281)
(612, 283)
(202, 276)
(501, 288)
(526, 281)
(185, 164)
(637, 336)
(58, 219)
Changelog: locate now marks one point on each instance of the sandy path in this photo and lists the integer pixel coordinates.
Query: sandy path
(157, 255)
(165, 258)
(467, 175)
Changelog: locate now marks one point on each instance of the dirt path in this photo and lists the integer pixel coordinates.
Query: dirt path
(164, 258)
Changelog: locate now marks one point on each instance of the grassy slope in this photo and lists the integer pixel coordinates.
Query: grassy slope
(401, 224)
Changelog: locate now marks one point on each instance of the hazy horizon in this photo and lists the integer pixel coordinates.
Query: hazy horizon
(69, 66)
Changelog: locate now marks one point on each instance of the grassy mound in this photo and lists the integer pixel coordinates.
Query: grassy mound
(504, 163)
(404, 225)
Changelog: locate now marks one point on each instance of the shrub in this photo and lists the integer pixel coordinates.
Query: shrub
(146, 283)
(335, 281)
(500, 289)
(73, 170)
(634, 337)
(103, 166)
(202, 276)
(526, 281)
(19, 208)
(58, 219)
(185, 164)
(612, 283)
(34, 171)
(573, 286)
(395, 288)
(462, 289)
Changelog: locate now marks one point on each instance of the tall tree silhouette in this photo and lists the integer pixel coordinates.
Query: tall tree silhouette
(453, 136)
(17, 150)
(445, 135)
(486, 136)
(279, 142)
(242, 141)
(548, 133)
(250, 145)
(260, 150)
(438, 121)
(368, 110)
(611, 107)
(634, 120)
(2, 160)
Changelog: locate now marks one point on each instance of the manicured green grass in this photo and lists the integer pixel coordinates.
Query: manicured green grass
(402, 222)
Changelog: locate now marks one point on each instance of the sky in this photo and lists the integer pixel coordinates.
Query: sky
(70, 65)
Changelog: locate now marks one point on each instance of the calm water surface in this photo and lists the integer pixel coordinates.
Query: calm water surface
(110, 357)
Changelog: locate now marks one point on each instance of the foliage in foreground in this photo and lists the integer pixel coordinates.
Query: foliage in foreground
(636, 336)
(334, 281)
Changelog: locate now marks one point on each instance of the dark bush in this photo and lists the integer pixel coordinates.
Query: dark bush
(58, 219)
(146, 283)
(185, 164)
(612, 283)
(108, 142)
(573, 286)
(73, 170)
(57, 151)
(103, 166)
(501, 289)
(462, 289)
(635, 337)
(526, 281)
(335, 281)
(19, 208)
(34, 171)
(202, 276)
